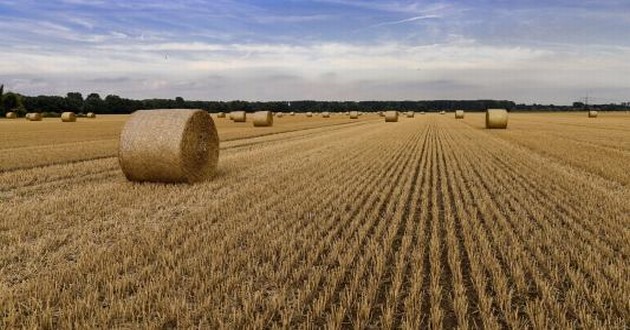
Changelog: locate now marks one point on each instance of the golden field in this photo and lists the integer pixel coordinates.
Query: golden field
(323, 222)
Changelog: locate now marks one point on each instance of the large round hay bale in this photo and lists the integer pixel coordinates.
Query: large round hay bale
(221, 115)
(175, 145)
(496, 118)
(90, 115)
(459, 114)
(410, 114)
(34, 116)
(391, 116)
(68, 117)
(263, 119)
(326, 114)
(239, 116)
(309, 114)
(592, 114)
(11, 115)
(354, 115)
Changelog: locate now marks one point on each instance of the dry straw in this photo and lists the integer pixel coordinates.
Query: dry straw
(68, 117)
(221, 115)
(239, 116)
(263, 119)
(11, 115)
(34, 116)
(172, 146)
(90, 115)
(410, 114)
(592, 114)
(309, 114)
(442, 112)
(496, 118)
(422, 113)
(459, 114)
(326, 114)
(292, 113)
(391, 116)
(354, 115)
(279, 114)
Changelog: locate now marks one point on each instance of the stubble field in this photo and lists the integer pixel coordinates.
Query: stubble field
(428, 222)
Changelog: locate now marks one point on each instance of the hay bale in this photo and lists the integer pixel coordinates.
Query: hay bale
(175, 145)
(292, 113)
(34, 116)
(263, 119)
(391, 116)
(221, 115)
(592, 114)
(11, 115)
(442, 112)
(279, 114)
(354, 115)
(410, 114)
(68, 117)
(459, 114)
(238, 116)
(309, 114)
(496, 118)
(422, 113)
(326, 114)
(90, 115)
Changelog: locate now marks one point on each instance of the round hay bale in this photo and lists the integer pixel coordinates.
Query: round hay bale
(354, 115)
(34, 116)
(263, 119)
(391, 116)
(422, 113)
(592, 114)
(411, 114)
(292, 113)
(442, 112)
(172, 146)
(231, 115)
(326, 114)
(496, 118)
(239, 116)
(68, 117)
(279, 114)
(459, 114)
(90, 115)
(221, 115)
(11, 115)
(309, 114)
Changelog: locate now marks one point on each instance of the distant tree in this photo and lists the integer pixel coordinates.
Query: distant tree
(12, 101)
(94, 103)
(74, 101)
(179, 102)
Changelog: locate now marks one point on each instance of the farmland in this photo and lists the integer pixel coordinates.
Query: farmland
(426, 222)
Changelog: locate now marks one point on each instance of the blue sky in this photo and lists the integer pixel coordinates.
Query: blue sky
(527, 51)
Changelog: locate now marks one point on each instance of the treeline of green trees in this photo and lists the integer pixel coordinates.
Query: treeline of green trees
(113, 104)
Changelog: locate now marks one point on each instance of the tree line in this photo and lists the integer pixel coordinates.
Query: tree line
(114, 104)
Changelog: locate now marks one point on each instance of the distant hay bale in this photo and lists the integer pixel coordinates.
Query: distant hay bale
(263, 119)
(442, 112)
(231, 115)
(172, 146)
(459, 114)
(391, 116)
(326, 114)
(292, 113)
(410, 114)
(422, 112)
(68, 117)
(309, 114)
(381, 114)
(11, 115)
(496, 118)
(239, 116)
(34, 116)
(279, 114)
(221, 115)
(90, 115)
(354, 115)
(592, 114)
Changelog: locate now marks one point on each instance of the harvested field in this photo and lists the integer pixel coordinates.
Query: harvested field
(340, 223)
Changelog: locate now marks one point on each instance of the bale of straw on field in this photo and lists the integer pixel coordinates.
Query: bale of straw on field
(11, 115)
(34, 116)
(263, 119)
(592, 114)
(391, 116)
(309, 114)
(221, 115)
(422, 112)
(239, 116)
(442, 112)
(90, 115)
(381, 114)
(326, 114)
(459, 114)
(354, 115)
(279, 114)
(496, 118)
(292, 113)
(410, 114)
(172, 146)
(68, 117)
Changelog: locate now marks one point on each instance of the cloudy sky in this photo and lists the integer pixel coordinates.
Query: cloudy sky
(553, 51)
